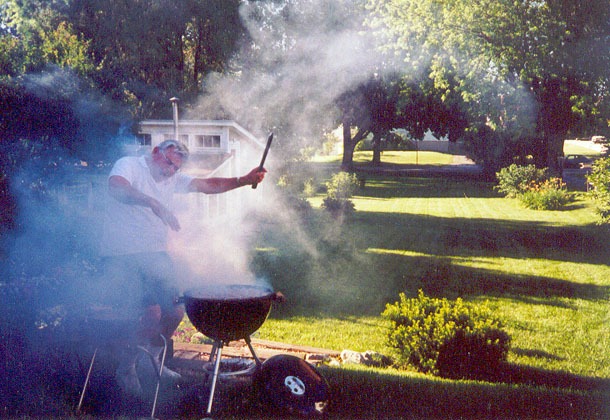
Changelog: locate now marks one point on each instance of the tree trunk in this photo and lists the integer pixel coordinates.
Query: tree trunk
(347, 164)
(376, 149)
(554, 153)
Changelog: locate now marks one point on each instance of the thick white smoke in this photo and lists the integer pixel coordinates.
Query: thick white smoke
(302, 56)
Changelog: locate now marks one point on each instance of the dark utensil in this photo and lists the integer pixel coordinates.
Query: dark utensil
(261, 166)
(229, 312)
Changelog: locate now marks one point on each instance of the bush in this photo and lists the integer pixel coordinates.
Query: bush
(599, 181)
(342, 185)
(338, 207)
(551, 194)
(533, 187)
(517, 179)
(291, 195)
(339, 190)
(309, 188)
(446, 338)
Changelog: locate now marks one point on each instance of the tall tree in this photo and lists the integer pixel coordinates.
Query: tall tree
(149, 50)
(505, 52)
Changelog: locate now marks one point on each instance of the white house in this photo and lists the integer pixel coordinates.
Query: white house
(218, 148)
(211, 142)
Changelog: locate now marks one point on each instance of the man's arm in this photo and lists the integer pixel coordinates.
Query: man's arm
(220, 185)
(122, 190)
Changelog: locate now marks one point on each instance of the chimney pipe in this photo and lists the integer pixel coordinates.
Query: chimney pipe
(174, 102)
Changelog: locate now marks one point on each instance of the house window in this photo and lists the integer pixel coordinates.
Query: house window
(207, 141)
(144, 139)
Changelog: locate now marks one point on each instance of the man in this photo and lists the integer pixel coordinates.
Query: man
(139, 271)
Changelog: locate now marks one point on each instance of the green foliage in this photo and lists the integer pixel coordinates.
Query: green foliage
(12, 56)
(599, 180)
(342, 185)
(532, 186)
(508, 34)
(338, 207)
(309, 187)
(517, 179)
(448, 338)
(551, 194)
(62, 47)
(340, 189)
(329, 143)
(292, 196)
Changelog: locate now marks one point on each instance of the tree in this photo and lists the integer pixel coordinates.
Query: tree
(147, 51)
(211, 36)
(372, 108)
(505, 53)
(62, 46)
(26, 22)
(354, 112)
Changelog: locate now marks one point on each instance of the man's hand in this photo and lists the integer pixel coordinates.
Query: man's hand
(255, 176)
(165, 215)
(121, 189)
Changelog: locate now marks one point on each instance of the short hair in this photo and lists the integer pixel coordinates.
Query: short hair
(179, 148)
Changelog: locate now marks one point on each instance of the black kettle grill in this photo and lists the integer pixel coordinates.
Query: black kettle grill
(233, 312)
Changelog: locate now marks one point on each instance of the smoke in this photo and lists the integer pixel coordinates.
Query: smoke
(301, 56)
(56, 140)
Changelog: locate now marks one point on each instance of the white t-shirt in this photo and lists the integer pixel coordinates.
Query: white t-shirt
(130, 229)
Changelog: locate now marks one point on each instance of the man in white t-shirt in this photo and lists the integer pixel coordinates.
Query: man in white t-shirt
(138, 269)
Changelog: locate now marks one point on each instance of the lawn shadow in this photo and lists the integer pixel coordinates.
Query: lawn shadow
(391, 187)
(376, 394)
(443, 278)
(438, 277)
(467, 237)
(510, 373)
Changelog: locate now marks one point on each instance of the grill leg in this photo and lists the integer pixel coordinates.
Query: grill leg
(249, 343)
(82, 394)
(213, 352)
(154, 407)
(218, 354)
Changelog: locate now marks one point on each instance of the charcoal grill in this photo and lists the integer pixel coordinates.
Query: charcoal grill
(227, 313)
(233, 312)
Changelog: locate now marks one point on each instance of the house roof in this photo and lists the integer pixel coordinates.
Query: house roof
(208, 123)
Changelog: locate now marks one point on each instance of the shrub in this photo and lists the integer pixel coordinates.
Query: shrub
(551, 194)
(292, 197)
(340, 188)
(599, 181)
(338, 207)
(309, 188)
(517, 179)
(342, 185)
(446, 338)
(533, 187)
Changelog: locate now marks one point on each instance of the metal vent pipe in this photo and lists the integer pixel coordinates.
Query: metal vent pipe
(174, 102)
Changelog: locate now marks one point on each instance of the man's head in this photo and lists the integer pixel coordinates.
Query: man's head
(169, 156)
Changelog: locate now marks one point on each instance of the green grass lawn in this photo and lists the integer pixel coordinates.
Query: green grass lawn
(394, 157)
(544, 273)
